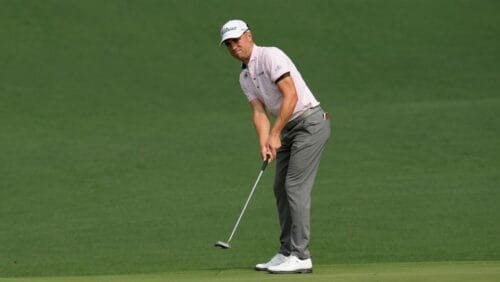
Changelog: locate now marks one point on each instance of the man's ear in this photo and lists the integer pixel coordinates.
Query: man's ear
(250, 36)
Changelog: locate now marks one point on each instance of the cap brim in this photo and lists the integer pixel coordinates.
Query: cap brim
(231, 35)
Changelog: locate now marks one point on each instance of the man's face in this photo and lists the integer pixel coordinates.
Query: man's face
(240, 48)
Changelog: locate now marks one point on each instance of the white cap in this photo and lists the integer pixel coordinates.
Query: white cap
(233, 29)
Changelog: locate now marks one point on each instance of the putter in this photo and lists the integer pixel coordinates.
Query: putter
(226, 245)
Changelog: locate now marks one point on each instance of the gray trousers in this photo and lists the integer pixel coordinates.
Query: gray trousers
(297, 161)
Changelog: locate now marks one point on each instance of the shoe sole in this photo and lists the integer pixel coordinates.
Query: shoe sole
(261, 269)
(297, 271)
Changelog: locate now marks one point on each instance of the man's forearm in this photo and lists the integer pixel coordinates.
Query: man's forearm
(262, 126)
(286, 112)
(287, 89)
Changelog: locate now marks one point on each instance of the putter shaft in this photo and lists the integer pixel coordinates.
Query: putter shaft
(245, 206)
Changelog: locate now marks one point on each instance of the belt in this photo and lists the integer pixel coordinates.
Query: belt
(303, 115)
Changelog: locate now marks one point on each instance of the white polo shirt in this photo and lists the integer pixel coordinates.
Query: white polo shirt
(257, 80)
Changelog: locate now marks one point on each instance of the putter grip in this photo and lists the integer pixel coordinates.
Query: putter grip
(264, 164)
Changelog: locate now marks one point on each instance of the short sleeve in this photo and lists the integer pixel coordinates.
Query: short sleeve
(277, 63)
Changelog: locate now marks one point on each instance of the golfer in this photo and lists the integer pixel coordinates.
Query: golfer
(296, 139)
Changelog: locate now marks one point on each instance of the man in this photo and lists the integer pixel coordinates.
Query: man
(273, 85)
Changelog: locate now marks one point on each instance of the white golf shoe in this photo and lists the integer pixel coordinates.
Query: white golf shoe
(292, 264)
(276, 260)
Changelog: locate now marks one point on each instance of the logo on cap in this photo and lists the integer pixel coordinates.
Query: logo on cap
(226, 29)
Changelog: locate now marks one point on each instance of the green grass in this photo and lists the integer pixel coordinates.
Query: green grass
(438, 272)
(127, 146)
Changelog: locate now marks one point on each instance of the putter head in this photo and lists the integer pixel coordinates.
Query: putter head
(222, 245)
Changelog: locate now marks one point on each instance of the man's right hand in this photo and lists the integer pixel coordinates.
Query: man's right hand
(272, 146)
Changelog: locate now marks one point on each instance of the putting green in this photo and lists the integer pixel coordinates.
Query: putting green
(442, 272)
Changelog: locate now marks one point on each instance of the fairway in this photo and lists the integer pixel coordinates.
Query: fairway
(127, 147)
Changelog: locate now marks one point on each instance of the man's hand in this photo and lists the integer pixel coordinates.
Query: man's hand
(272, 146)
